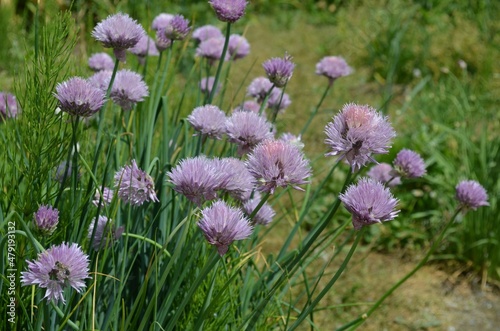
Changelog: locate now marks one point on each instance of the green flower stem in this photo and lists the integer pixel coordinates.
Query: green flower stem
(221, 63)
(264, 102)
(150, 241)
(315, 111)
(276, 111)
(259, 206)
(61, 314)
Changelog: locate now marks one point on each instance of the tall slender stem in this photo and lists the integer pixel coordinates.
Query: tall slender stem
(221, 63)
(315, 111)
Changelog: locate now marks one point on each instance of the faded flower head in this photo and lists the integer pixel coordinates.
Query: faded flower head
(384, 173)
(357, 132)
(292, 139)
(161, 21)
(8, 106)
(278, 101)
(178, 28)
(128, 89)
(101, 61)
(276, 163)
(238, 47)
(259, 88)
(471, 195)
(238, 181)
(333, 67)
(409, 164)
(247, 129)
(222, 224)
(119, 32)
(79, 98)
(56, 268)
(107, 197)
(101, 79)
(209, 120)
(46, 219)
(146, 46)
(105, 233)
(228, 10)
(134, 185)
(279, 70)
(211, 49)
(369, 202)
(207, 83)
(206, 32)
(264, 215)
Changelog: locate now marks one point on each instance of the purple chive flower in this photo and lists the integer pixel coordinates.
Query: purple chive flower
(471, 195)
(209, 120)
(206, 32)
(101, 79)
(46, 219)
(161, 21)
(409, 164)
(247, 129)
(259, 88)
(101, 61)
(162, 42)
(279, 70)
(207, 83)
(278, 101)
(107, 197)
(8, 106)
(211, 49)
(198, 179)
(134, 185)
(238, 47)
(238, 181)
(229, 10)
(222, 224)
(384, 173)
(105, 234)
(292, 139)
(128, 89)
(146, 46)
(119, 32)
(250, 106)
(333, 67)
(78, 97)
(178, 28)
(276, 163)
(56, 268)
(265, 214)
(369, 202)
(356, 133)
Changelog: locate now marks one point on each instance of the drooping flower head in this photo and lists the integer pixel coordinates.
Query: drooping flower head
(409, 164)
(8, 106)
(276, 163)
(384, 173)
(471, 195)
(229, 10)
(247, 129)
(78, 97)
(101, 79)
(369, 202)
(161, 21)
(279, 70)
(207, 83)
(120, 32)
(238, 181)
(259, 88)
(145, 47)
(238, 47)
(128, 89)
(333, 67)
(56, 268)
(134, 185)
(178, 28)
(105, 234)
(278, 101)
(101, 61)
(209, 120)
(46, 219)
(264, 215)
(222, 224)
(356, 133)
(107, 197)
(206, 32)
(211, 49)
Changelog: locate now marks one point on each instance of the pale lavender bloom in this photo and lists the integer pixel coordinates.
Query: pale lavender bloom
(259, 88)
(46, 219)
(178, 28)
(279, 70)
(209, 120)
(276, 163)
(471, 195)
(146, 46)
(238, 47)
(249, 105)
(369, 202)
(56, 268)
(107, 197)
(64, 171)
(206, 32)
(101, 79)
(8, 106)
(247, 129)
(119, 32)
(333, 67)
(222, 224)
(238, 181)
(264, 215)
(292, 139)
(207, 83)
(161, 21)
(78, 97)
(357, 132)
(384, 173)
(105, 233)
(134, 185)
(228, 10)
(278, 101)
(409, 164)
(198, 179)
(101, 61)
(211, 49)
(162, 42)
(128, 89)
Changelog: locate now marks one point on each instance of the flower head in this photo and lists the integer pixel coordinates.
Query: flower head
(471, 195)
(238, 181)
(8, 106)
(264, 215)
(356, 133)
(209, 120)
(107, 197)
(146, 46)
(249, 105)
(279, 70)
(409, 164)
(128, 89)
(384, 173)
(119, 32)
(178, 28)
(79, 98)
(369, 202)
(206, 32)
(46, 219)
(292, 139)
(101, 79)
(134, 185)
(278, 101)
(56, 268)
(101, 61)
(238, 47)
(259, 88)
(161, 21)
(211, 49)
(162, 42)
(333, 67)
(207, 84)
(102, 232)
(247, 129)
(276, 163)
(222, 224)
(229, 10)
